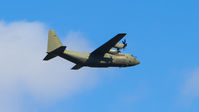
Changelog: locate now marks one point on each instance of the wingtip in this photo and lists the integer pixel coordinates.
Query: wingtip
(122, 33)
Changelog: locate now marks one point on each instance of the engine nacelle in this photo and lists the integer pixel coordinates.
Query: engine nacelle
(120, 46)
(114, 51)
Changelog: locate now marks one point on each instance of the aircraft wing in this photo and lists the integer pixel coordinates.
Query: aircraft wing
(108, 45)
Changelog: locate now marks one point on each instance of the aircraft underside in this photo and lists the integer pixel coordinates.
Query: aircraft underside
(93, 61)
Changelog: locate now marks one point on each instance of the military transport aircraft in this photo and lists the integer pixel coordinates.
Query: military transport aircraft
(103, 56)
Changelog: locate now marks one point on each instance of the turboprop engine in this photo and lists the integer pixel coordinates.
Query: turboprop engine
(121, 46)
(114, 51)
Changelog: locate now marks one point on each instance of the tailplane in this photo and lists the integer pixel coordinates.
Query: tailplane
(54, 45)
(77, 67)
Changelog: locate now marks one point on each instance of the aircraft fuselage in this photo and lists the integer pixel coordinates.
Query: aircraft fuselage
(108, 60)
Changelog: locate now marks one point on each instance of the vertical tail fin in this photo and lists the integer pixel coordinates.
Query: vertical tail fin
(53, 41)
(54, 45)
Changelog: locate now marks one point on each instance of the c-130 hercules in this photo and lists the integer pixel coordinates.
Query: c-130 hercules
(103, 56)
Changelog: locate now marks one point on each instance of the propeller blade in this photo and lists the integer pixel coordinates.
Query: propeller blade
(124, 42)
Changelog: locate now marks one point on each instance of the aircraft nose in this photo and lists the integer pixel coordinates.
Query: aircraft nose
(137, 62)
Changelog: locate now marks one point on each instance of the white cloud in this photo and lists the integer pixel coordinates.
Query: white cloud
(23, 73)
(73, 37)
(191, 87)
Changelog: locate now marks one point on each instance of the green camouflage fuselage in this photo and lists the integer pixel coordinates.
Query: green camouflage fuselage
(108, 60)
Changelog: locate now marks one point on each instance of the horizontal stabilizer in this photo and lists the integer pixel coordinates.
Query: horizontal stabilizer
(49, 56)
(77, 67)
(54, 53)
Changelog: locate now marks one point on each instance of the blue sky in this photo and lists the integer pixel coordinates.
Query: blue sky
(163, 34)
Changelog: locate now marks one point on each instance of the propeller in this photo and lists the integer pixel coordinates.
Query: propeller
(124, 42)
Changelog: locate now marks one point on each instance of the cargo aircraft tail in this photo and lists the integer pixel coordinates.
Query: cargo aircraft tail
(54, 46)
